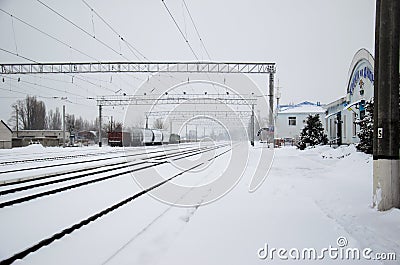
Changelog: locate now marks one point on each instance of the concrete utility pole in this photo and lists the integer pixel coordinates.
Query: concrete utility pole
(16, 110)
(111, 124)
(63, 126)
(252, 125)
(100, 143)
(271, 100)
(386, 184)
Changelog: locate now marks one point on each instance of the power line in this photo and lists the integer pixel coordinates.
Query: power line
(16, 54)
(15, 91)
(40, 96)
(130, 46)
(48, 35)
(25, 93)
(197, 31)
(73, 76)
(183, 35)
(89, 82)
(36, 84)
(81, 29)
(15, 39)
(198, 34)
(52, 37)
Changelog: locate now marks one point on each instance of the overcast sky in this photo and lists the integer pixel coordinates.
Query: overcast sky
(311, 41)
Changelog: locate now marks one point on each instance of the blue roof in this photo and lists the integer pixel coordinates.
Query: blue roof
(304, 103)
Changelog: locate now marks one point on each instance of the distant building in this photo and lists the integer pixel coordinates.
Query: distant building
(87, 137)
(342, 113)
(44, 137)
(5, 136)
(290, 119)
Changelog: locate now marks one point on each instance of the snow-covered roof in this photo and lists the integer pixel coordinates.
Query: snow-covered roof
(5, 125)
(304, 107)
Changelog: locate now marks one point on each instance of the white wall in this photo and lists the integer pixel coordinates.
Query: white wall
(284, 130)
(5, 137)
(354, 94)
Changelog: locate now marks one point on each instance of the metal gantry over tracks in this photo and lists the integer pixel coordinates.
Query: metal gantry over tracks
(139, 67)
(152, 67)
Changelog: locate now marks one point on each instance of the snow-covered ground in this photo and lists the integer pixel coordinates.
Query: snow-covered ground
(309, 200)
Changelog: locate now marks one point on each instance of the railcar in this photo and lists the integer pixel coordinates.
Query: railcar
(142, 136)
(148, 136)
(166, 137)
(119, 139)
(174, 139)
(158, 137)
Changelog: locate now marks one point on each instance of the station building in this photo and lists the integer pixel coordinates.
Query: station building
(342, 113)
(291, 119)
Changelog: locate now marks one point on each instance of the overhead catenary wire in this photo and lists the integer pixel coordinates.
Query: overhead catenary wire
(81, 29)
(129, 45)
(34, 61)
(80, 78)
(47, 34)
(180, 30)
(198, 35)
(39, 85)
(54, 38)
(18, 55)
(69, 82)
(132, 49)
(15, 39)
(39, 96)
(197, 31)
(94, 84)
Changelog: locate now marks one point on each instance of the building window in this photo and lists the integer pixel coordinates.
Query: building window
(344, 126)
(292, 121)
(354, 125)
(332, 127)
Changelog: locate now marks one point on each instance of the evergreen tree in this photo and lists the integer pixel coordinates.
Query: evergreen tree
(366, 129)
(313, 133)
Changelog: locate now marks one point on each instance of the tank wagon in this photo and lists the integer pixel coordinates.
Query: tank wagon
(140, 137)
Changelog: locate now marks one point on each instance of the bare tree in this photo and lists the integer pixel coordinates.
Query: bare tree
(159, 124)
(115, 126)
(12, 121)
(139, 123)
(54, 120)
(32, 113)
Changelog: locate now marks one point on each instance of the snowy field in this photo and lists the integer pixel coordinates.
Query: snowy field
(310, 199)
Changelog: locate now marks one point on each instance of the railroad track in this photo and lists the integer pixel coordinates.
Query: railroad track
(144, 162)
(88, 161)
(47, 159)
(175, 156)
(14, 182)
(65, 157)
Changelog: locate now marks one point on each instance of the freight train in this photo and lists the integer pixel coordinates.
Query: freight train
(139, 137)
